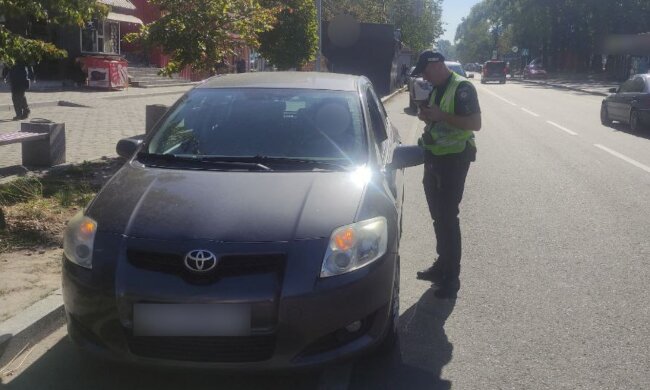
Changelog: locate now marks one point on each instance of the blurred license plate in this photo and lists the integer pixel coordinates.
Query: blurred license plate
(191, 319)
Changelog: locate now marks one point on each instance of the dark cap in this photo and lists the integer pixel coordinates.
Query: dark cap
(426, 58)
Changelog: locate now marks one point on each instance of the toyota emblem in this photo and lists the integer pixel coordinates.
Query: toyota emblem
(200, 260)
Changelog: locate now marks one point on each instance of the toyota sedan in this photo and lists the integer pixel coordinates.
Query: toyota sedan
(256, 227)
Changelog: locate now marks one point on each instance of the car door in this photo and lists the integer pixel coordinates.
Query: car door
(385, 139)
(632, 97)
(616, 108)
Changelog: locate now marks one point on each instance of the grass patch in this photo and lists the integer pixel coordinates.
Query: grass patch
(37, 208)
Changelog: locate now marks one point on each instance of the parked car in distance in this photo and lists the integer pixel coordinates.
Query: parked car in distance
(630, 103)
(534, 70)
(256, 227)
(458, 69)
(494, 71)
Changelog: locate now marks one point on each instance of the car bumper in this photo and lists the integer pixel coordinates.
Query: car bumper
(302, 323)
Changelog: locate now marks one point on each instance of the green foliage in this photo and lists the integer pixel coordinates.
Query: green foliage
(446, 49)
(293, 41)
(16, 44)
(203, 33)
(565, 33)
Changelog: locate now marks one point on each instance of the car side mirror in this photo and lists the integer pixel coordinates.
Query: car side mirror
(127, 147)
(406, 156)
(470, 76)
(613, 90)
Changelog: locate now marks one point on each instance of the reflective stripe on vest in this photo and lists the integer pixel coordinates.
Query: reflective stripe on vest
(448, 139)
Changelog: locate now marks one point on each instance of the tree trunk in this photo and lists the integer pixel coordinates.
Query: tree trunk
(3, 222)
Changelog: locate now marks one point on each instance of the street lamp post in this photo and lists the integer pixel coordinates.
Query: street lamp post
(319, 8)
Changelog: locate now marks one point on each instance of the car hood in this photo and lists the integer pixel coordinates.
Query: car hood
(166, 204)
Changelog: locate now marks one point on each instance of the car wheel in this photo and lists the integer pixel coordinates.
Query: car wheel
(390, 340)
(635, 124)
(604, 116)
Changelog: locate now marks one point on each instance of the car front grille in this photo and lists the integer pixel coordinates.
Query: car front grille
(205, 349)
(228, 265)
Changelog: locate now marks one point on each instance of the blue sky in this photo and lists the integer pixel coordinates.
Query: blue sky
(452, 12)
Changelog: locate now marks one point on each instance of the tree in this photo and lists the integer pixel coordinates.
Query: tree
(293, 41)
(203, 33)
(446, 49)
(16, 41)
(419, 21)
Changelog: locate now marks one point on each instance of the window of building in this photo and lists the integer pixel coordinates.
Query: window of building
(101, 37)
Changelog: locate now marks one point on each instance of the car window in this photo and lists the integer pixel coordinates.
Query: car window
(377, 119)
(638, 85)
(457, 69)
(627, 87)
(249, 122)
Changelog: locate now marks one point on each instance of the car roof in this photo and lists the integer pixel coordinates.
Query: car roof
(452, 63)
(288, 80)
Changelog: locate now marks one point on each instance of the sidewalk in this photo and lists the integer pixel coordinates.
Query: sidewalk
(94, 121)
(590, 84)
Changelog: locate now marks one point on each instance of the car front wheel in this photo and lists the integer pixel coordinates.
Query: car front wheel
(604, 116)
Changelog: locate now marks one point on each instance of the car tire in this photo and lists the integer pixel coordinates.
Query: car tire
(635, 121)
(392, 335)
(604, 116)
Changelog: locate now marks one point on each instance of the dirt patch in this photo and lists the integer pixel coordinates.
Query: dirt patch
(36, 208)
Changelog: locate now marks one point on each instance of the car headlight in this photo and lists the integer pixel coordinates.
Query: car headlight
(79, 239)
(354, 246)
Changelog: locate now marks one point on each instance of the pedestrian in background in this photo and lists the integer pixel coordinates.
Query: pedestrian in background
(19, 76)
(452, 115)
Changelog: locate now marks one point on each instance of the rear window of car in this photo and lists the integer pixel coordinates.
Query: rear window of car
(248, 122)
(495, 66)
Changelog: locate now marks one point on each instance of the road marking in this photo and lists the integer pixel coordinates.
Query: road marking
(529, 112)
(623, 157)
(562, 128)
(498, 97)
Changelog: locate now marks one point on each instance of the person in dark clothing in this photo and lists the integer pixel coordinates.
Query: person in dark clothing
(452, 116)
(19, 76)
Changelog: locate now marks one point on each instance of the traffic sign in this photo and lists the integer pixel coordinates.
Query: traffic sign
(515, 49)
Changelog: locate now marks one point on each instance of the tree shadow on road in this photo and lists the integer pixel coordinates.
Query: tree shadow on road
(423, 350)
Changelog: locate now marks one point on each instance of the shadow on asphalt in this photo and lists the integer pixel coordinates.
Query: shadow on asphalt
(410, 111)
(65, 367)
(416, 363)
(424, 349)
(623, 128)
(532, 85)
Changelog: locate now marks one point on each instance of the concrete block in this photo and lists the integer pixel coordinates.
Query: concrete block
(46, 152)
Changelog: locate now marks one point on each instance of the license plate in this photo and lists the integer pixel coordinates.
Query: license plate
(191, 319)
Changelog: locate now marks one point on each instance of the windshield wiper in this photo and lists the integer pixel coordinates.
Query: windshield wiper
(297, 161)
(222, 161)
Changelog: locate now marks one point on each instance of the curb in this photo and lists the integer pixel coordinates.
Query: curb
(392, 95)
(560, 86)
(30, 326)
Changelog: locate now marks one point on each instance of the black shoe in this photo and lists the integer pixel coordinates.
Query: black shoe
(26, 114)
(448, 289)
(432, 274)
(16, 118)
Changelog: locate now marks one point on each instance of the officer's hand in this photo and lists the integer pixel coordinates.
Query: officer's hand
(433, 114)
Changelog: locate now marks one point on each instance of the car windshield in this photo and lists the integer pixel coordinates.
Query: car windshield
(283, 124)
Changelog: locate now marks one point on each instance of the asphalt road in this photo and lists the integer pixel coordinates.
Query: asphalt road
(555, 270)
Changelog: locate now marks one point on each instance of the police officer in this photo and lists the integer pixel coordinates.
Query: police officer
(19, 77)
(452, 115)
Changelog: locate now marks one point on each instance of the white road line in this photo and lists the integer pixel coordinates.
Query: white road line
(529, 112)
(498, 97)
(623, 157)
(562, 128)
